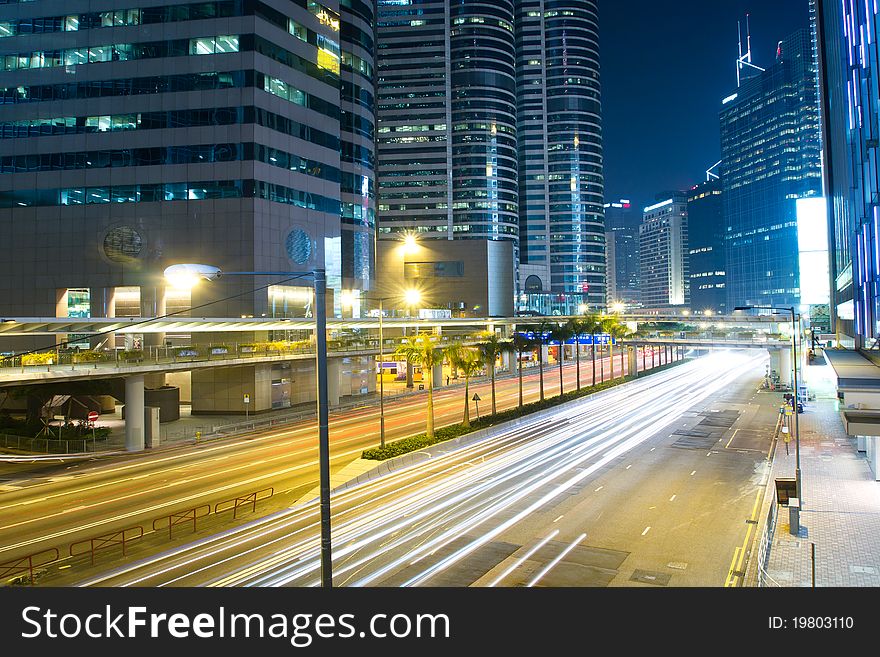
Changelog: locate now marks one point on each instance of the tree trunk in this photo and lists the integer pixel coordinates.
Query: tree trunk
(493, 387)
(593, 354)
(561, 358)
(466, 423)
(430, 375)
(519, 367)
(611, 359)
(541, 369)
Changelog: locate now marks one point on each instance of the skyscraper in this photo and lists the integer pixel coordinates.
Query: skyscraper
(706, 262)
(447, 141)
(560, 149)
(663, 244)
(490, 129)
(231, 133)
(622, 249)
(770, 147)
(226, 132)
(851, 137)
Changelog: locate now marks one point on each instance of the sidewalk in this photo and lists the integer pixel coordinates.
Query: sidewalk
(840, 512)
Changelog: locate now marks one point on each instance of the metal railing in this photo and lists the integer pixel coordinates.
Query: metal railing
(183, 518)
(246, 500)
(107, 541)
(26, 564)
(45, 445)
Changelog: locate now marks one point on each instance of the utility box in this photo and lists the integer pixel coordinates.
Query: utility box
(151, 426)
(786, 488)
(794, 516)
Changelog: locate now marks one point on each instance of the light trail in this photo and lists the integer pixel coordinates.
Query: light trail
(428, 517)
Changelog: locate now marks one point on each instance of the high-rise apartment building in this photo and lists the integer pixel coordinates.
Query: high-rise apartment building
(707, 276)
(490, 129)
(770, 147)
(622, 250)
(663, 245)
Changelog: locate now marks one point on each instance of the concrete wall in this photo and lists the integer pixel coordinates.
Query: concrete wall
(484, 288)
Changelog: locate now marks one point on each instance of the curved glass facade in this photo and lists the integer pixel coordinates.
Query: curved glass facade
(574, 147)
(484, 169)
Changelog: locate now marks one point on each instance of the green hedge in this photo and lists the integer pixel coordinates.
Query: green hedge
(421, 440)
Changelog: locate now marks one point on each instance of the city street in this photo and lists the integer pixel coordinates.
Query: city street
(611, 490)
(72, 502)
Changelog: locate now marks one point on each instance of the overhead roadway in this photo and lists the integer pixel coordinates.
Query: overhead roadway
(10, 327)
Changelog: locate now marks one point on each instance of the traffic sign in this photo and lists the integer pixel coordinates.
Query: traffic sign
(476, 397)
(93, 416)
(247, 399)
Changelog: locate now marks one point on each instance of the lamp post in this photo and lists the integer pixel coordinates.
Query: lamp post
(182, 275)
(797, 435)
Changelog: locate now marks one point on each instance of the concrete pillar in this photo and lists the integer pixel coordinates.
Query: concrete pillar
(153, 305)
(632, 360)
(861, 443)
(134, 413)
(871, 452)
(505, 361)
(334, 371)
(785, 367)
(102, 303)
(545, 353)
(437, 375)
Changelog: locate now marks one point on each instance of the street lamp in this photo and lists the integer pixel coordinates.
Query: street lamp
(189, 275)
(797, 435)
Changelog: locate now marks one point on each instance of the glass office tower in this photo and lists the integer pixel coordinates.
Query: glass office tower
(706, 262)
(770, 146)
(229, 132)
(622, 222)
(850, 79)
(490, 129)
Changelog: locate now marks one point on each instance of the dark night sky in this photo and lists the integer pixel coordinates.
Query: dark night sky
(666, 66)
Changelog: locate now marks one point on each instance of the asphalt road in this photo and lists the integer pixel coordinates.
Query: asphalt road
(649, 484)
(56, 506)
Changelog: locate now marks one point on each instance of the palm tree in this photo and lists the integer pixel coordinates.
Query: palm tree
(543, 327)
(561, 334)
(422, 350)
(592, 325)
(491, 348)
(613, 327)
(468, 361)
(518, 345)
(578, 328)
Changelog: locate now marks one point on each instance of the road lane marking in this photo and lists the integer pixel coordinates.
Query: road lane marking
(693, 473)
(558, 519)
(550, 565)
(672, 499)
(629, 466)
(647, 529)
(731, 440)
(736, 564)
(598, 489)
(516, 564)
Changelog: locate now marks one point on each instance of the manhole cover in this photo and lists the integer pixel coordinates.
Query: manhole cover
(650, 577)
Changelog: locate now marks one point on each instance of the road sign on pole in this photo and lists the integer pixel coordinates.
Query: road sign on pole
(476, 400)
(247, 401)
(93, 416)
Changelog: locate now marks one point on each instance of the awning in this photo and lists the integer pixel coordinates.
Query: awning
(853, 370)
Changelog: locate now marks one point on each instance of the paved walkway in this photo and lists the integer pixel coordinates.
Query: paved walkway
(840, 512)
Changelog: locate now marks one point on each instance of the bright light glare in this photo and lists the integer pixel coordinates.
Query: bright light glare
(583, 308)
(412, 297)
(182, 280)
(617, 307)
